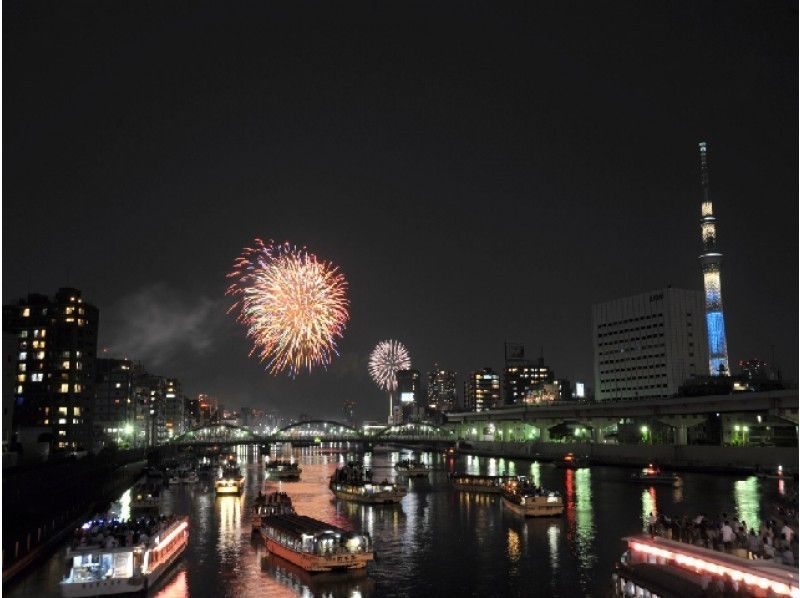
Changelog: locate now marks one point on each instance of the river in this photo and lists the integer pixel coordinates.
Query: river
(437, 542)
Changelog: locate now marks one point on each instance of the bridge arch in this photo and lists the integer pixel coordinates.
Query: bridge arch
(221, 432)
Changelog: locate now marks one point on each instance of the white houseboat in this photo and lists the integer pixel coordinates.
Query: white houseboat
(106, 570)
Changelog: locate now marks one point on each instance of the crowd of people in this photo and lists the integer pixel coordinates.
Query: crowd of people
(112, 533)
(772, 539)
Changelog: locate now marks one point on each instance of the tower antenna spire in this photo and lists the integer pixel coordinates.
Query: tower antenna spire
(711, 261)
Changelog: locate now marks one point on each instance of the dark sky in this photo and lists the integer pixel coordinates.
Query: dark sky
(479, 172)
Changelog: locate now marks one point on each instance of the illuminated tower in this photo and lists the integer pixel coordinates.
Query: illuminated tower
(711, 259)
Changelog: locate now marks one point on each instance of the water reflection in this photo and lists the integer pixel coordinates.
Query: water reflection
(536, 473)
(513, 546)
(747, 500)
(553, 532)
(230, 523)
(649, 505)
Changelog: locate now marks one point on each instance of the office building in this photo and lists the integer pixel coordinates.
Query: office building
(649, 344)
(441, 389)
(55, 365)
(711, 261)
(482, 390)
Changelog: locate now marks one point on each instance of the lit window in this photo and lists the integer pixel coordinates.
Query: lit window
(22, 367)
(40, 355)
(78, 365)
(23, 355)
(62, 432)
(19, 390)
(62, 410)
(23, 334)
(69, 310)
(26, 313)
(46, 422)
(37, 377)
(65, 365)
(43, 333)
(64, 388)
(81, 321)
(70, 319)
(80, 310)
(77, 388)
(76, 421)
(21, 378)
(62, 420)
(76, 411)
(118, 385)
(77, 353)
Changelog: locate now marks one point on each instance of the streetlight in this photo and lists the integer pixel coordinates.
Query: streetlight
(645, 433)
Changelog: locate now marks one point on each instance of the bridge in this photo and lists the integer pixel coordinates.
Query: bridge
(314, 432)
(739, 418)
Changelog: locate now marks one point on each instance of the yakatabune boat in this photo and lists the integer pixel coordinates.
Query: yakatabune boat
(479, 483)
(282, 469)
(527, 500)
(351, 482)
(274, 503)
(315, 545)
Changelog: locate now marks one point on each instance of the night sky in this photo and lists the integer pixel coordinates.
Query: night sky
(480, 172)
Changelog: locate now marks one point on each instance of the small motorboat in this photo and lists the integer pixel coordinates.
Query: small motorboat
(653, 475)
(572, 461)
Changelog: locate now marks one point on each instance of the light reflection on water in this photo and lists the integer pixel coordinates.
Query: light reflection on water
(437, 541)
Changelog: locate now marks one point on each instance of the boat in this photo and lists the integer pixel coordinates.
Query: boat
(351, 482)
(265, 505)
(283, 469)
(653, 475)
(478, 483)
(97, 570)
(523, 498)
(230, 482)
(411, 468)
(451, 451)
(145, 501)
(653, 566)
(571, 461)
(314, 545)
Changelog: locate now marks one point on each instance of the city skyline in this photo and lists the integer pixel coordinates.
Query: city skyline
(560, 193)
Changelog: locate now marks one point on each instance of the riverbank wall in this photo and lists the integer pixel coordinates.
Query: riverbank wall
(744, 459)
(44, 503)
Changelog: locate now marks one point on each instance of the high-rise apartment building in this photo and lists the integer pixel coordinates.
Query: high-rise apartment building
(409, 389)
(55, 364)
(711, 261)
(441, 389)
(482, 390)
(523, 377)
(116, 403)
(648, 345)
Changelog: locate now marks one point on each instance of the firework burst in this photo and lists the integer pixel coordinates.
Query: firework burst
(293, 306)
(385, 360)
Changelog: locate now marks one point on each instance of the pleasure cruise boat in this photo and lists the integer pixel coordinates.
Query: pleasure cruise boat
(352, 483)
(522, 498)
(105, 569)
(314, 545)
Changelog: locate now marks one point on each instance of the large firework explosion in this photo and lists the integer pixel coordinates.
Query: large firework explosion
(293, 305)
(385, 360)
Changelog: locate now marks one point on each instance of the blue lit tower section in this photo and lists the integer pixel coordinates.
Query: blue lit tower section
(711, 259)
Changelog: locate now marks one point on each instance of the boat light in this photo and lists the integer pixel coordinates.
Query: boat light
(171, 536)
(764, 583)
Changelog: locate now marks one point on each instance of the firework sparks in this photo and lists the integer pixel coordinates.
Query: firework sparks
(386, 359)
(293, 306)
